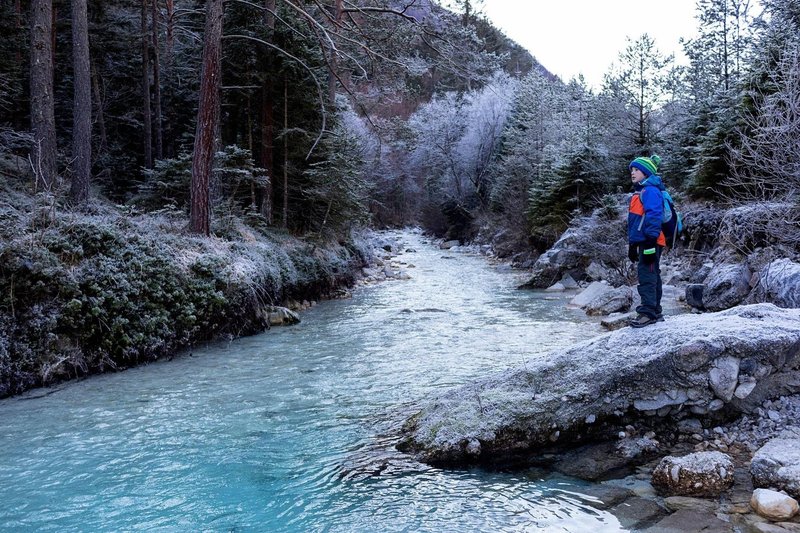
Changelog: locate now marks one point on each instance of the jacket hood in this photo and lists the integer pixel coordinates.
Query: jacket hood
(654, 181)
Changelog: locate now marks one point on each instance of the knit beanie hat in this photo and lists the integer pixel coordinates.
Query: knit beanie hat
(648, 165)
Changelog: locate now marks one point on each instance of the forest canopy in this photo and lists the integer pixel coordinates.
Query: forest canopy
(315, 116)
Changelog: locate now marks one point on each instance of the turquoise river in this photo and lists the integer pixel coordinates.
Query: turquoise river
(293, 430)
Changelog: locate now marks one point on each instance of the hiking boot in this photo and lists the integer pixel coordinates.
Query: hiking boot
(642, 321)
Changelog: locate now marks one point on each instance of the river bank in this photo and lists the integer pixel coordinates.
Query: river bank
(83, 294)
(275, 431)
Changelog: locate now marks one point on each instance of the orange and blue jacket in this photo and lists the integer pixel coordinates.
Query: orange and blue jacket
(645, 212)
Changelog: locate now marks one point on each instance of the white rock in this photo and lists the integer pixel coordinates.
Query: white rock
(724, 377)
(777, 465)
(595, 289)
(568, 282)
(773, 505)
(744, 389)
(779, 283)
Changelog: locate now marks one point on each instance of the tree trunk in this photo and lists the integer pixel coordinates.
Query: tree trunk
(98, 110)
(18, 26)
(333, 64)
(725, 44)
(82, 106)
(146, 118)
(267, 117)
(43, 123)
(170, 30)
(207, 119)
(285, 152)
(157, 85)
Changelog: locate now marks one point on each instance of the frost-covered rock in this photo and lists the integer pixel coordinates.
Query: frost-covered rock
(778, 283)
(776, 465)
(694, 295)
(565, 256)
(449, 244)
(615, 300)
(726, 286)
(616, 321)
(621, 377)
(592, 292)
(599, 272)
(569, 283)
(704, 474)
(775, 506)
(281, 316)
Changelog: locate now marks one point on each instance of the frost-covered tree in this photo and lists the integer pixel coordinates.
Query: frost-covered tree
(486, 112)
(581, 171)
(439, 127)
(529, 148)
(335, 189)
(641, 82)
(765, 161)
(717, 56)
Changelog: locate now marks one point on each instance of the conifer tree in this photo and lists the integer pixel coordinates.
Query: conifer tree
(43, 122)
(82, 110)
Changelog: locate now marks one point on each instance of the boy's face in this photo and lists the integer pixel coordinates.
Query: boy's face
(637, 176)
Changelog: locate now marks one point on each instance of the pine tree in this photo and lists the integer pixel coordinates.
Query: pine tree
(82, 114)
(642, 82)
(207, 120)
(43, 122)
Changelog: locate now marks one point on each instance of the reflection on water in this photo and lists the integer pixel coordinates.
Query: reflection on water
(285, 431)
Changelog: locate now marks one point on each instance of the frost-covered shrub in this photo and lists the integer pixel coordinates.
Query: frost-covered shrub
(167, 186)
(93, 293)
(761, 225)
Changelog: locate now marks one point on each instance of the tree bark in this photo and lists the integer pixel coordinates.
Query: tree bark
(333, 64)
(157, 84)
(43, 123)
(267, 117)
(82, 105)
(98, 110)
(170, 4)
(285, 152)
(18, 26)
(207, 119)
(146, 113)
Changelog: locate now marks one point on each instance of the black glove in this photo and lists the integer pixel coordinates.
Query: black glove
(649, 252)
(633, 252)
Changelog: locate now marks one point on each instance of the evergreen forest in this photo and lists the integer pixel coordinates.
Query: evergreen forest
(315, 116)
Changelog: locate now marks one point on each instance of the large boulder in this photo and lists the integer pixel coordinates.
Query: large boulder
(704, 474)
(615, 300)
(776, 465)
(593, 389)
(594, 291)
(773, 505)
(726, 286)
(778, 283)
(566, 256)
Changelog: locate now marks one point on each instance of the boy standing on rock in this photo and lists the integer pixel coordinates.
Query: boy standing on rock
(645, 238)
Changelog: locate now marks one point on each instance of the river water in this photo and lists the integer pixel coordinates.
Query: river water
(291, 430)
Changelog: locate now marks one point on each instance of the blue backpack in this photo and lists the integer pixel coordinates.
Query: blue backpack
(671, 220)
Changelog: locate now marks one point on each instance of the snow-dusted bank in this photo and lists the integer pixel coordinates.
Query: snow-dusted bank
(92, 293)
(692, 366)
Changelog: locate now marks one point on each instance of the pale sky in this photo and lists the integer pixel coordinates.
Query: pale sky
(570, 37)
